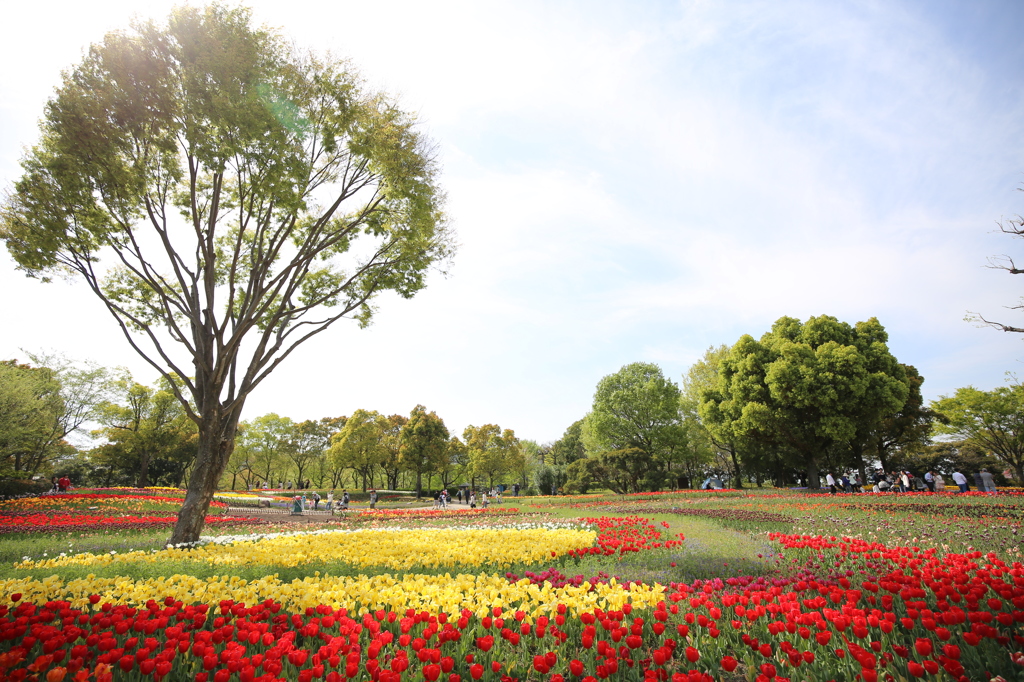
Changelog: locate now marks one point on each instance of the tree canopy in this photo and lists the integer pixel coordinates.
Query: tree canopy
(149, 438)
(635, 415)
(424, 444)
(805, 389)
(248, 193)
(30, 404)
(992, 420)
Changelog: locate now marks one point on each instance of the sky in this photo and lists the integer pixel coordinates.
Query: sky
(629, 182)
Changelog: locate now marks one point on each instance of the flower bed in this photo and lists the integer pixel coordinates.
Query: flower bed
(60, 523)
(436, 513)
(955, 617)
(100, 503)
(393, 549)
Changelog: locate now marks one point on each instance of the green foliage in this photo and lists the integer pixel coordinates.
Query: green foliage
(391, 439)
(262, 448)
(629, 470)
(577, 477)
(424, 444)
(806, 389)
(150, 439)
(907, 430)
(307, 447)
(707, 442)
(492, 452)
(946, 457)
(54, 399)
(992, 420)
(548, 479)
(360, 444)
(569, 447)
(636, 414)
(30, 404)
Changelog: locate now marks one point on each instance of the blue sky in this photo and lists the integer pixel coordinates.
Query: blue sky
(631, 181)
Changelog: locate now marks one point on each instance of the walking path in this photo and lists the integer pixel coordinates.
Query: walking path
(318, 515)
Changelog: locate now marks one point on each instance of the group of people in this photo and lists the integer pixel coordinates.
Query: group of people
(303, 502)
(468, 497)
(849, 483)
(60, 485)
(905, 481)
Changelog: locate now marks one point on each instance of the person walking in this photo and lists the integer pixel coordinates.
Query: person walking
(330, 501)
(373, 499)
(929, 480)
(938, 483)
(472, 500)
(344, 499)
(960, 480)
(988, 482)
(830, 481)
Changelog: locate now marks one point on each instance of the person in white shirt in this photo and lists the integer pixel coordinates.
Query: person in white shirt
(830, 481)
(929, 480)
(960, 480)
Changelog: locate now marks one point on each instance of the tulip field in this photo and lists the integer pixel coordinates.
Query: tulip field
(759, 585)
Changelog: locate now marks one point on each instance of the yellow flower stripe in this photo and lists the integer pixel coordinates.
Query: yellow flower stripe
(479, 593)
(397, 550)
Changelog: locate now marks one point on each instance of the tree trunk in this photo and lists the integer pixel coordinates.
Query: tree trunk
(736, 468)
(143, 480)
(216, 442)
(813, 479)
(419, 485)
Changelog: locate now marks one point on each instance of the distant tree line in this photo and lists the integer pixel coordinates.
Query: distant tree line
(129, 434)
(804, 399)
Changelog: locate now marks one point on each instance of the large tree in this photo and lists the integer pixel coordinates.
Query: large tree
(908, 429)
(308, 447)
(249, 194)
(264, 443)
(424, 445)
(569, 447)
(636, 411)
(492, 451)
(149, 438)
(390, 462)
(706, 439)
(30, 404)
(81, 388)
(992, 420)
(805, 389)
(360, 444)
